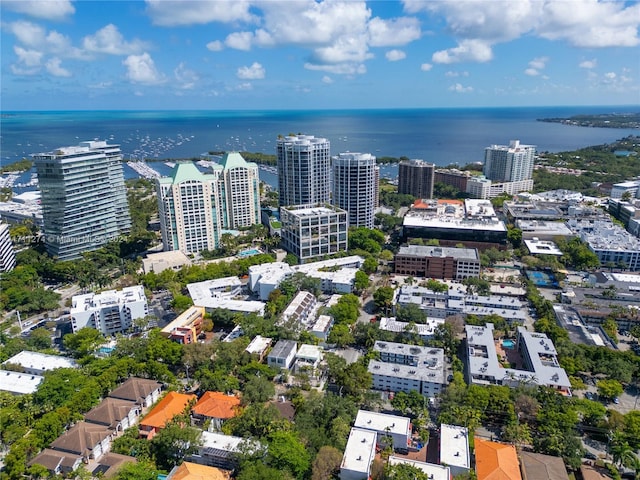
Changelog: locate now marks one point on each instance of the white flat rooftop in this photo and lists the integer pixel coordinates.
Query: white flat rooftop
(41, 361)
(19, 383)
(360, 451)
(433, 471)
(454, 446)
(542, 247)
(383, 423)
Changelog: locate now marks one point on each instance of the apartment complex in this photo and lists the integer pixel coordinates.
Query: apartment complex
(403, 368)
(194, 207)
(303, 169)
(437, 262)
(7, 255)
(110, 312)
(355, 186)
(512, 163)
(83, 197)
(538, 353)
(186, 328)
(416, 177)
(454, 177)
(313, 231)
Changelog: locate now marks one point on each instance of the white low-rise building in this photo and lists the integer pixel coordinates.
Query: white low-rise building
(536, 349)
(322, 327)
(299, 314)
(110, 312)
(385, 425)
(358, 455)
(308, 358)
(282, 355)
(18, 383)
(161, 261)
(259, 346)
(36, 363)
(454, 449)
(424, 330)
(222, 451)
(223, 293)
(433, 471)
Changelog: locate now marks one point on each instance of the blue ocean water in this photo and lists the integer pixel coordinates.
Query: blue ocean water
(441, 136)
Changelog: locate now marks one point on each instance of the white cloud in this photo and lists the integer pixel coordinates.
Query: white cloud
(338, 69)
(393, 32)
(55, 68)
(170, 13)
(142, 69)
(186, 78)
(327, 79)
(395, 55)
(29, 61)
(459, 88)
(610, 75)
(244, 86)
(588, 64)
(539, 63)
(532, 72)
(254, 72)
(425, 67)
(582, 23)
(215, 46)
(54, 10)
(239, 40)
(109, 40)
(466, 51)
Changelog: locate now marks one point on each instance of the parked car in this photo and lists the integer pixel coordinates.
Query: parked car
(590, 456)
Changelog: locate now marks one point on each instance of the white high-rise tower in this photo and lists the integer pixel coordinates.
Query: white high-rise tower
(355, 186)
(513, 163)
(303, 170)
(84, 202)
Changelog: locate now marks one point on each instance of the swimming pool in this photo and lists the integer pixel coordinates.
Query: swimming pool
(248, 253)
(509, 344)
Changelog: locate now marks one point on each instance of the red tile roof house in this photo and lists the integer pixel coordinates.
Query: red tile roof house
(172, 405)
(217, 407)
(142, 391)
(115, 414)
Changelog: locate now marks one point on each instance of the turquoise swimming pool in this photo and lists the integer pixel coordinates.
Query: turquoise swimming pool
(248, 253)
(509, 344)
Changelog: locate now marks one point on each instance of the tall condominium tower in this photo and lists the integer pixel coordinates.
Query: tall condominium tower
(84, 202)
(303, 170)
(415, 177)
(188, 206)
(512, 163)
(355, 187)
(239, 192)
(194, 207)
(7, 255)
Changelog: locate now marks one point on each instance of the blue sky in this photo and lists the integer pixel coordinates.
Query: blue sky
(269, 54)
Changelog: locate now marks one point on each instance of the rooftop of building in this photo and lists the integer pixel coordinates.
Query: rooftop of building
(162, 260)
(322, 324)
(557, 228)
(542, 247)
(454, 446)
(259, 344)
(40, 361)
(383, 423)
(185, 319)
(360, 451)
(110, 411)
(83, 147)
(217, 405)
(171, 405)
(609, 237)
(310, 352)
(283, 349)
(514, 146)
(302, 211)
(433, 471)
(496, 461)
(184, 172)
(434, 251)
(536, 466)
(235, 160)
(107, 298)
(422, 329)
(195, 471)
(19, 383)
(434, 373)
(81, 438)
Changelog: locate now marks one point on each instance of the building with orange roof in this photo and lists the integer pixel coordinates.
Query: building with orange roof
(496, 461)
(217, 407)
(172, 405)
(194, 471)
